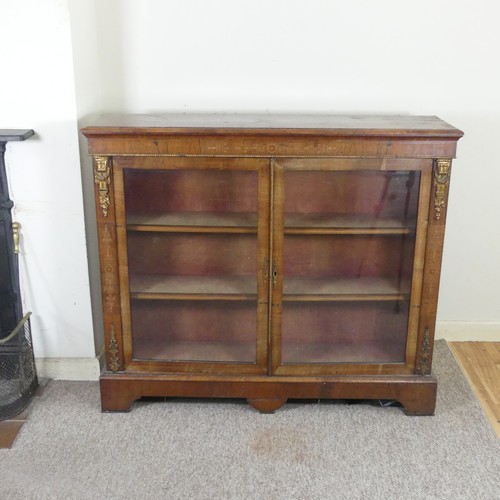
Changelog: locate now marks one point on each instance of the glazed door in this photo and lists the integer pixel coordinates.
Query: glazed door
(193, 239)
(348, 247)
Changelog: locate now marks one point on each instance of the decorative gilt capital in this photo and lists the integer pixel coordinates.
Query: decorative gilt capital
(442, 167)
(424, 356)
(114, 363)
(102, 179)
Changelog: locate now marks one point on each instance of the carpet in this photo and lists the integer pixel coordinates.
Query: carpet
(205, 449)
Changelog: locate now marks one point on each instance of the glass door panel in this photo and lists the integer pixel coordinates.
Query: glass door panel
(367, 200)
(347, 258)
(344, 331)
(191, 198)
(206, 330)
(194, 249)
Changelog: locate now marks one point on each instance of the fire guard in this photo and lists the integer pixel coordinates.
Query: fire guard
(18, 379)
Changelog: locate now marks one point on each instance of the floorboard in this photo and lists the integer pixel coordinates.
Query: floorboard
(480, 362)
(9, 429)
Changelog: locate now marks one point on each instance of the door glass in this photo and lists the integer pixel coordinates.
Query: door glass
(348, 260)
(192, 260)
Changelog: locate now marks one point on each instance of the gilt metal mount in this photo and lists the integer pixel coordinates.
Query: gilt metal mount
(102, 179)
(424, 363)
(114, 363)
(442, 169)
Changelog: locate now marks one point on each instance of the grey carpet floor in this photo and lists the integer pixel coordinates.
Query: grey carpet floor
(226, 450)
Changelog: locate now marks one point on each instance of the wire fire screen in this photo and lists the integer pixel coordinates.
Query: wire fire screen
(18, 379)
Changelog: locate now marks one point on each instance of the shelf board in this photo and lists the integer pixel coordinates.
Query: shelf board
(193, 287)
(239, 222)
(343, 352)
(297, 289)
(327, 223)
(193, 222)
(292, 353)
(204, 351)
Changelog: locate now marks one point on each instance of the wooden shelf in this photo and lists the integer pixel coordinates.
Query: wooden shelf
(193, 222)
(343, 352)
(296, 223)
(245, 288)
(327, 223)
(334, 352)
(176, 350)
(344, 289)
(193, 287)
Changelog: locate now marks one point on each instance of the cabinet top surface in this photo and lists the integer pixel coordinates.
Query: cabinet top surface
(272, 124)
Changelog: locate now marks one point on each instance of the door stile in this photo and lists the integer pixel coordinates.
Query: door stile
(263, 279)
(276, 265)
(121, 236)
(418, 262)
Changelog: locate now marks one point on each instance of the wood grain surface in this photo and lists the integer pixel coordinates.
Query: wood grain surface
(480, 362)
(316, 240)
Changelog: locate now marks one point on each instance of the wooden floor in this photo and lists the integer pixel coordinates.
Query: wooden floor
(9, 429)
(480, 362)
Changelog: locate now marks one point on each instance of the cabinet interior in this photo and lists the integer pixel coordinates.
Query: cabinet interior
(193, 264)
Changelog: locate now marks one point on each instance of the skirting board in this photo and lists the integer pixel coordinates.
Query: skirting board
(463, 331)
(68, 368)
(90, 368)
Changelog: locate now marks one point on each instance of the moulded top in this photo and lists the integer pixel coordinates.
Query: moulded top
(272, 124)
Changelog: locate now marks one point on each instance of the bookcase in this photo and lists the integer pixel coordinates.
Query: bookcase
(270, 257)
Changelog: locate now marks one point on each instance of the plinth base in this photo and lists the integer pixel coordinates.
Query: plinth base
(416, 393)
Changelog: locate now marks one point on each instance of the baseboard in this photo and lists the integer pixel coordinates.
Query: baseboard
(68, 368)
(460, 331)
(90, 368)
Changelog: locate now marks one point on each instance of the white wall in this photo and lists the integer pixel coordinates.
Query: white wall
(427, 57)
(86, 68)
(68, 58)
(37, 91)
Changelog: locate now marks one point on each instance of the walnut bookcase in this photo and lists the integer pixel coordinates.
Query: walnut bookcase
(270, 257)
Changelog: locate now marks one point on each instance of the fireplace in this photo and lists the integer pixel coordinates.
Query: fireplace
(18, 378)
